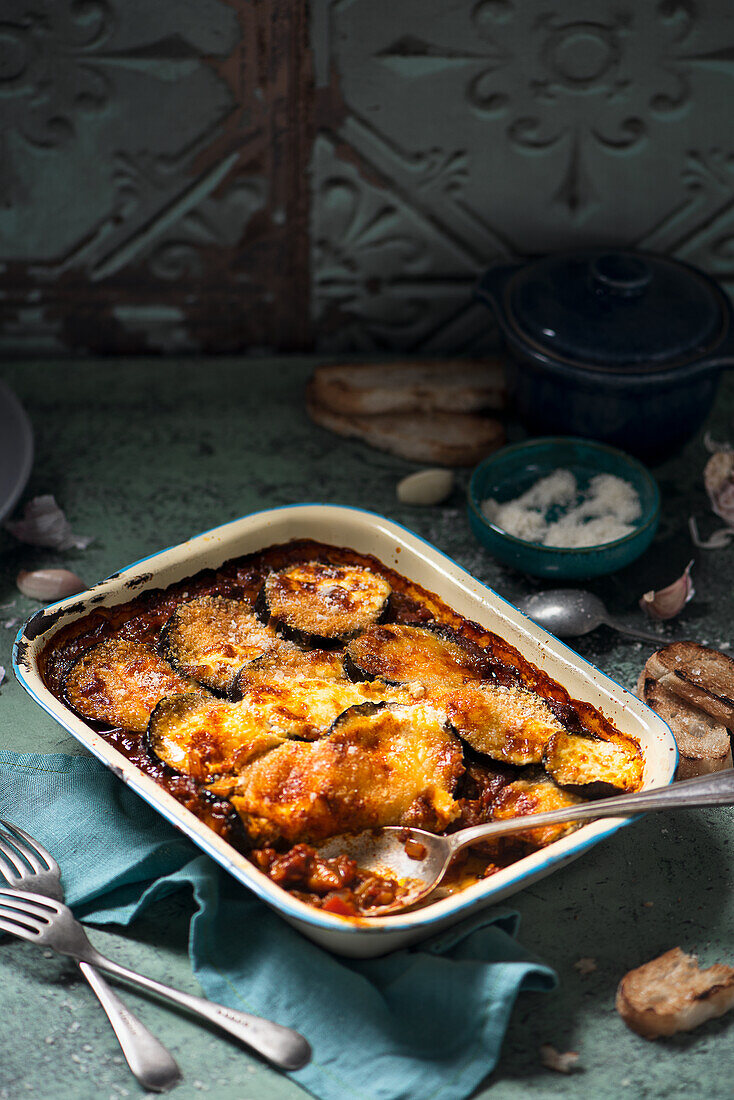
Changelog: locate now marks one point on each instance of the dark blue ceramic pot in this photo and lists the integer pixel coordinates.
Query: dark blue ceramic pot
(621, 346)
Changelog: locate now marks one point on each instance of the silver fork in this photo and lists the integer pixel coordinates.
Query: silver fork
(48, 923)
(26, 865)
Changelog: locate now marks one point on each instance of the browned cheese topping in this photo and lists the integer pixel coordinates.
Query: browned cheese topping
(509, 724)
(404, 654)
(120, 681)
(394, 765)
(211, 638)
(319, 600)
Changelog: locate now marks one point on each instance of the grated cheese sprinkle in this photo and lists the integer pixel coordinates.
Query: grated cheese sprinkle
(554, 512)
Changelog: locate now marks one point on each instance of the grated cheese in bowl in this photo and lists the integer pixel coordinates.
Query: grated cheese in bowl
(555, 512)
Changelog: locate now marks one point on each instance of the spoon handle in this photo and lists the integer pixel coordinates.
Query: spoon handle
(703, 790)
(632, 632)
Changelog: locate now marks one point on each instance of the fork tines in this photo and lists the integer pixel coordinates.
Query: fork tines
(35, 903)
(19, 856)
(35, 855)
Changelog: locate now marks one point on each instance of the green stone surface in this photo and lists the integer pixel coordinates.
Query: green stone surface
(143, 454)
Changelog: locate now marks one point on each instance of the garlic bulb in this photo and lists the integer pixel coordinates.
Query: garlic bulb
(668, 602)
(44, 524)
(718, 477)
(46, 585)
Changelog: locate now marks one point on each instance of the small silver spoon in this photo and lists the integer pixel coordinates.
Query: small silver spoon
(570, 612)
(382, 851)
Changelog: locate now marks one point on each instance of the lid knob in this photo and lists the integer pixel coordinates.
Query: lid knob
(620, 274)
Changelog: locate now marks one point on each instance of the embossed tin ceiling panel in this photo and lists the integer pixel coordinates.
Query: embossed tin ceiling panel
(512, 127)
(226, 175)
(150, 165)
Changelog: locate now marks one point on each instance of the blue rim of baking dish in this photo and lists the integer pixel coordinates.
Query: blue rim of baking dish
(300, 911)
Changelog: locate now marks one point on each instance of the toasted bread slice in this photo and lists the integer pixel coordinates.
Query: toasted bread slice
(369, 389)
(433, 438)
(703, 743)
(670, 994)
(700, 676)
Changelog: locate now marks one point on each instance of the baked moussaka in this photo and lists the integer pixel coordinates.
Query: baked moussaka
(307, 691)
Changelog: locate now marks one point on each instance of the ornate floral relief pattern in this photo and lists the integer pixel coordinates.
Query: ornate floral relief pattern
(57, 70)
(560, 100)
(172, 251)
(701, 231)
(154, 156)
(383, 271)
(547, 79)
(46, 78)
(149, 173)
(516, 127)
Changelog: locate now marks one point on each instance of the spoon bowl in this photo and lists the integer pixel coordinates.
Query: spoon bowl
(418, 860)
(383, 852)
(572, 612)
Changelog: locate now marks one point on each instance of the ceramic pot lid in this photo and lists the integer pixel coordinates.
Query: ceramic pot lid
(616, 310)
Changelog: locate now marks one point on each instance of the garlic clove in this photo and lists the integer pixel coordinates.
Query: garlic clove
(561, 1063)
(45, 524)
(718, 477)
(46, 585)
(668, 602)
(426, 487)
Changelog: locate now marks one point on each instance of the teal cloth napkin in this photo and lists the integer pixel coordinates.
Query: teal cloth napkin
(427, 1021)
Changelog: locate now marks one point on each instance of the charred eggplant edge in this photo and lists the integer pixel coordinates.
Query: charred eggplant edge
(312, 639)
(597, 788)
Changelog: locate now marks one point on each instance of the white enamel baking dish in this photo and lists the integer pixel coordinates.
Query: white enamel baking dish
(419, 561)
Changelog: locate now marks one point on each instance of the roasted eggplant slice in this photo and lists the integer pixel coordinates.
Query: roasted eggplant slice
(120, 681)
(319, 602)
(532, 794)
(286, 663)
(510, 724)
(211, 638)
(380, 765)
(307, 709)
(403, 654)
(592, 767)
(207, 738)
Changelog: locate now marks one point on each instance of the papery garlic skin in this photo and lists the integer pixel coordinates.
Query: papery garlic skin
(717, 541)
(46, 585)
(718, 477)
(712, 445)
(668, 602)
(44, 524)
(553, 1059)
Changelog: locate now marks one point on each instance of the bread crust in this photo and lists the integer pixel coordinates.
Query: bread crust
(670, 994)
(680, 683)
(433, 438)
(369, 389)
(703, 677)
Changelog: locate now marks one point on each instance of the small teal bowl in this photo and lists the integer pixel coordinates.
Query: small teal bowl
(510, 472)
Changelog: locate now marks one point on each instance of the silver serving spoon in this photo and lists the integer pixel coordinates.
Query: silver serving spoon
(570, 612)
(383, 851)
